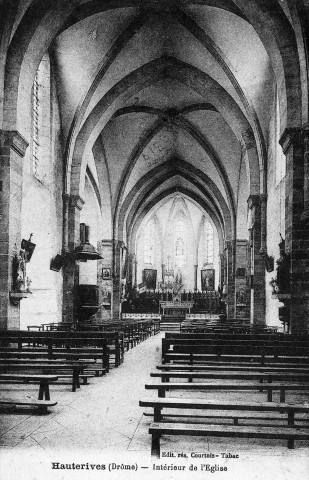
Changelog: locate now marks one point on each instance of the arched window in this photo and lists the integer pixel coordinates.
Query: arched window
(40, 148)
(280, 157)
(149, 243)
(180, 243)
(209, 243)
(35, 122)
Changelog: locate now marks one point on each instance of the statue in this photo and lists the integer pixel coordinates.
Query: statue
(283, 269)
(178, 278)
(19, 272)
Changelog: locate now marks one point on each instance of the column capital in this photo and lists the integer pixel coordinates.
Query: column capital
(248, 138)
(290, 137)
(241, 242)
(107, 242)
(77, 202)
(229, 244)
(14, 140)
(305, 130)
(253, 201)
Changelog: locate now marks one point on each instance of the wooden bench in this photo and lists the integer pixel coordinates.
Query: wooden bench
(199, 404)
(222, 367)
(193, 347)
(76, 368)
(194, 358)
(268, 376)
(42, 405)
(269, 387)
(158, 429)
(44, 381)
(65, 341)
(278, 337)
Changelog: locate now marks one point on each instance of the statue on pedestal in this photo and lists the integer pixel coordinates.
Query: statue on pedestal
(19, 272)
(283, 269)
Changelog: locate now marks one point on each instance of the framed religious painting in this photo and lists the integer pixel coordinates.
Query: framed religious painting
(106, 273)
(208, 279)
(150, 278)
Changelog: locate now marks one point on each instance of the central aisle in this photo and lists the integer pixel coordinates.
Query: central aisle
(102, 415)
(103, 423)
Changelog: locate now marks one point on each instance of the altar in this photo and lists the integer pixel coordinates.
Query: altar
(175, 308)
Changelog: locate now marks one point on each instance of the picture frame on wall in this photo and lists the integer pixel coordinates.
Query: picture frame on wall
(208, 279)
(106, 273)
(150, 278)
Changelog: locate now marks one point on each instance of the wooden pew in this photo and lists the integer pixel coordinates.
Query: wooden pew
(231, 347)
(158, 429)
(42, 405)
(268, 375)
(272, 338)
(76, 368)
(269, 387)
(43, 380)
(188, 404)
(91, 366)
(224, 366)
(56, 344)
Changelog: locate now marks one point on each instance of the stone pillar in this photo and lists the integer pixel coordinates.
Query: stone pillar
(163, 271)
(195, 277)
(71, 268)
(132, 261)
(12, 151)
(221, 269)
(107, 284)
(257, 314)
(66, 206)
(116, 308)
(135, 272)
(263, 200)
(229, 279)
(296, 225)
(242, 293)
(305, 215)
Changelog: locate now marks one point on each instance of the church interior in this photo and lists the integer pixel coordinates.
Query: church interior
(154, 193)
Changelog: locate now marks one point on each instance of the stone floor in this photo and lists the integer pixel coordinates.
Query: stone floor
(102, 423)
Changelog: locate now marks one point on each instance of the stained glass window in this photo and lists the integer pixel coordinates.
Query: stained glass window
(209, 243)
(149, 243)
(180, 243)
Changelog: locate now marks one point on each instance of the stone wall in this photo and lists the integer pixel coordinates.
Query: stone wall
(42, 216)
(275, 215)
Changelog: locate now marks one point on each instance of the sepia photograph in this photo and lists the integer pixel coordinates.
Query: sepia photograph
(154, 239)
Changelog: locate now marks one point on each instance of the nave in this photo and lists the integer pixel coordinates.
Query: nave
(104, 419)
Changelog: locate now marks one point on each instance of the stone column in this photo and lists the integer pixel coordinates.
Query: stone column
(195, 277)
(305, 215)
(107, 262)
(66, 206)
(296, 225)
(257, 315)
(71, 268)
(230, 278)
(132, 258)
(263, 201)
(116, 307)
(163, 271)
(242, 293)
(135, 272)
(12, 151)
(221, 269)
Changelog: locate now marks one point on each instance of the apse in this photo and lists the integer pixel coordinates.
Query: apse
(177, 247)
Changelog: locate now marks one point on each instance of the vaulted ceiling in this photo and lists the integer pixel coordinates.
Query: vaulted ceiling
(166, 95)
